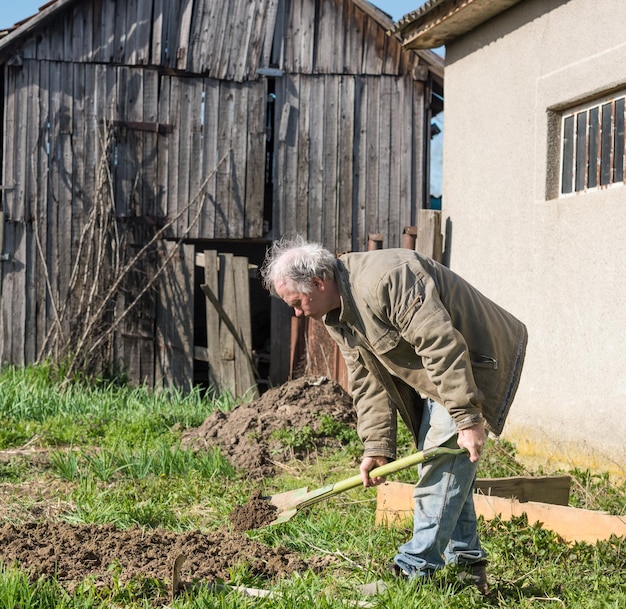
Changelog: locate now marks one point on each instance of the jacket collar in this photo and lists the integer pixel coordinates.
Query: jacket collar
(347, 314)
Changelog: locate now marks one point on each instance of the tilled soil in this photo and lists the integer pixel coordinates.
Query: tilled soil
(107, 556)
(72, 553)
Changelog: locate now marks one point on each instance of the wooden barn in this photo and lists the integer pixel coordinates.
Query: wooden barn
(151, 149)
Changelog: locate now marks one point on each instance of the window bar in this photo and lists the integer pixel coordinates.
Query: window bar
(581, 150)
(567, 171)
(618, 163)
(594, 140)
(606, 144)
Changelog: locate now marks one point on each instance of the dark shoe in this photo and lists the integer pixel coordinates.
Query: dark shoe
(476, 574)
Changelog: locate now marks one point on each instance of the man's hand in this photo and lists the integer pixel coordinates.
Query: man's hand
(367, 465)
(473, 439)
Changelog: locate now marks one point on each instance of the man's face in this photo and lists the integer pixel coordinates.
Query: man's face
(315, 304)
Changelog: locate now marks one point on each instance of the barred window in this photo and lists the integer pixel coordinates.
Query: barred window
(592, 149)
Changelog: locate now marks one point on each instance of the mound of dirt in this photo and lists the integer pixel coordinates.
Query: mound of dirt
(247, 435)
(104, 554)
(257, 512)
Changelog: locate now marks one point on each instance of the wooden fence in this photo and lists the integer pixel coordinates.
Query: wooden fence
(228, 327)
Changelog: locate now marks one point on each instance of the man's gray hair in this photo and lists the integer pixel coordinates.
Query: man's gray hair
(296, 261)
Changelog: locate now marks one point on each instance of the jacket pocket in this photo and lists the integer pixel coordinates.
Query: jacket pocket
(483, 361)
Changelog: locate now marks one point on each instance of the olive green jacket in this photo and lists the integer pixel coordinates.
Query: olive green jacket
(409, 328)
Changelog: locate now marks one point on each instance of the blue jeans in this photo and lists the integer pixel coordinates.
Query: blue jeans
(444, 525)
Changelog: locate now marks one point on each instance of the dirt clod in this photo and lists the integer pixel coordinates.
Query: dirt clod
(254, 514)
(249, 435)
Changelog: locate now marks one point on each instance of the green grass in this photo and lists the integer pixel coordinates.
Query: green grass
(114, 456)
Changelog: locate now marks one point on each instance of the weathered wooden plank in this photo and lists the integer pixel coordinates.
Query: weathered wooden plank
(389, 219)
(373, 143)
(77, 208)
(120, 33)
(143, 32)
(40, 292)
(81, 34)
(173, 141)
(261, 49)
(211, 270)
(305, 59)
(150, 143)
(163, 151)
(210, 130)
(281, 316)
(21, 166)
(157, 43)
(239, 139)
(354, 24)
(223, 199)
(92, 141)
(429, 238)
(198, 35)
(373, 49)
(331, 38)
(185, 120)
(344, 229)
(120, 160)
(10, 141)
(248, 57)
(403, 154)
(13, 284)
(290, 32)
(255, 159)
(227, 341)
(276, 26)
(387, 206)
(184, 33)
(302, 152)
(135, 113)
(196, 197)
(332, 151)
(420, 181)
(130, 40)
(174, 324)
(64, 193)
(14, 290)
(319, 181)
(359, 236)
(52, 252)
(394, 506)
(234, 41)
(218, 54)
(246, 378)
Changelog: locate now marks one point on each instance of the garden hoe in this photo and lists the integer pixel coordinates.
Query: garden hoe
(289, 502)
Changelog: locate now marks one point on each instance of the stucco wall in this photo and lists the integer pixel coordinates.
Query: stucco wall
(559, 264)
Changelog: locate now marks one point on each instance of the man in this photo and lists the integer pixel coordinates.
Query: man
(419, 340)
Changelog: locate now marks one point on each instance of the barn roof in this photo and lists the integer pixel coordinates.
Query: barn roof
(439, 22)
(26, 26)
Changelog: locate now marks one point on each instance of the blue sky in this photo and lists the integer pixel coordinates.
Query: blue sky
(13, 11)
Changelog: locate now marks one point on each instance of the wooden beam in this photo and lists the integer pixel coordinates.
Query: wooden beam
(395, 506)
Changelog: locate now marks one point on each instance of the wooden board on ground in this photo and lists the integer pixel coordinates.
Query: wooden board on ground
(395, 507)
